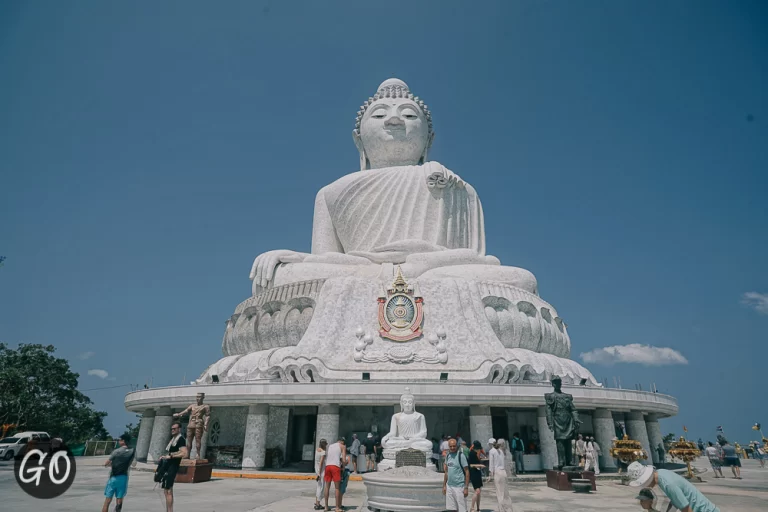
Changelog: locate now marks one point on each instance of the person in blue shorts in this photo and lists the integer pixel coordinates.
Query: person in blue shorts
(117, 486)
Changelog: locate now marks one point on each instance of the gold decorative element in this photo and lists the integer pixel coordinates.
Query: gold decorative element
(686, 451)
(627, 450)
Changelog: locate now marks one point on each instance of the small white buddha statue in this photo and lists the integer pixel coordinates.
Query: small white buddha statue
(399, 209)
(408, 428)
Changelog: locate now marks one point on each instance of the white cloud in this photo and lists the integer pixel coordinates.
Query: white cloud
(99, 373)
(756, 301)
(634, 353)
(86, 355)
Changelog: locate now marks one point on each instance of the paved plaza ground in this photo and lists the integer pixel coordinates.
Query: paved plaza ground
(247, 495)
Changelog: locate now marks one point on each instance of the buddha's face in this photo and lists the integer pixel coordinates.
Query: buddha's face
(394, 131)
(406, 404)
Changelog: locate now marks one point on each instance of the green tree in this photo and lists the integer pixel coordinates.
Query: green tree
(133, 430)
(38, 391)
(669, 439)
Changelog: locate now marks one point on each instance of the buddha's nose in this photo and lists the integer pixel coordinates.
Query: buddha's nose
(394, 121)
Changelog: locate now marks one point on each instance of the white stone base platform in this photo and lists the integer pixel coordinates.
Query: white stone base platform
(255, 417)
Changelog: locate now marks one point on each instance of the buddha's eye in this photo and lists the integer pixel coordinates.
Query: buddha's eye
(409, 114)
(379, 114)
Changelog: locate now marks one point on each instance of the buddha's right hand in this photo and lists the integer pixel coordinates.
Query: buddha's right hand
(263, 269)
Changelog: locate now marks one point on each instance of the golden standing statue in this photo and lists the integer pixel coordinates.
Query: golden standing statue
(199, 414)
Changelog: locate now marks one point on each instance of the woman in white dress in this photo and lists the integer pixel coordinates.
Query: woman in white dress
(320, 472)
(497, 468)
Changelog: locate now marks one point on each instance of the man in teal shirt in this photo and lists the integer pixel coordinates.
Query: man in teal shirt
(681, 493)
(456, 480)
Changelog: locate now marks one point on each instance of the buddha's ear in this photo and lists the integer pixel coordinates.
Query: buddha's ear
(359, 145)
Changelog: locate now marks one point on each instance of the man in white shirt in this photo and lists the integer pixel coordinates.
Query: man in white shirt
(337, 452)
(443, 452)
(498, 470)
(592, 455)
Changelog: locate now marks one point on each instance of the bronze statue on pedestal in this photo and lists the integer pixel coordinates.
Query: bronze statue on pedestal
(563, 420)
(199, 414)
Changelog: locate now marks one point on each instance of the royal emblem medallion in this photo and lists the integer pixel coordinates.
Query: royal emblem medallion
(400, 311)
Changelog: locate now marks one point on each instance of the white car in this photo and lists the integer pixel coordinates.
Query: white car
(16, 444)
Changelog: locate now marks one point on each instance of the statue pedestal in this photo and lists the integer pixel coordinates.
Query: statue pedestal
(562, 481)
(194, 471)
(390, 457)
(404, 489)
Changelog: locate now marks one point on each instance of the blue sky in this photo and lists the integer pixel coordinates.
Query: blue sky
(149, 153)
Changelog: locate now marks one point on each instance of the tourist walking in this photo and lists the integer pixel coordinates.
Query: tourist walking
(475, 475)
(760, 453)
(497, 469)
(320, 472)
(177, 450)
(713, 454)
(117, 485)
(370, 453)
(436, 453)
(518, 449)
(336, 453)
(731, 458)
(581, 450)
(592, 455)
(443, 453)
(354, 451)
(681, 493)
(348, 468)
(456, 479)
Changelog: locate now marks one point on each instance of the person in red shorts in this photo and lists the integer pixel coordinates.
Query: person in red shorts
(337, 452)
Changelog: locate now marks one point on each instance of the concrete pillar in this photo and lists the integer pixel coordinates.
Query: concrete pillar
(547, 441)
(637, 431)
(654, 436)
(145, 435)
(602, 422)
(277, 428)
(255, 442)
(161, 434)
(480, 424)
(327, 424)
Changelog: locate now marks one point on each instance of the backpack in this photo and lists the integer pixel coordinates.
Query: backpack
(161, 470)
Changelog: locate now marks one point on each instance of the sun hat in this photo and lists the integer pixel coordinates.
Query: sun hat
(370, 436)
(645, 495)
(639, 475)
(491, 441)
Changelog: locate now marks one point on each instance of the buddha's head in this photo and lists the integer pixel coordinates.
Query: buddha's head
(407, 403)
(393, 128)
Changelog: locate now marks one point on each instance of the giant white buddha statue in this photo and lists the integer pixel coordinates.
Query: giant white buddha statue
(399, 208)
(398, 283)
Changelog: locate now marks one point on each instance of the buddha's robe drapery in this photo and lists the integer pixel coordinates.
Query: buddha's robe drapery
(384, 215)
